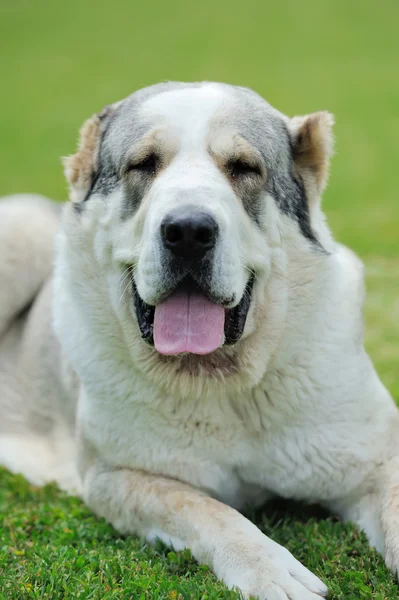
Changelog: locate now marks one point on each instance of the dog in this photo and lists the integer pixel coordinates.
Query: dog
(198, 346)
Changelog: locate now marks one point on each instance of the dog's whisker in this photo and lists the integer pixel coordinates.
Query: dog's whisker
(126, 274)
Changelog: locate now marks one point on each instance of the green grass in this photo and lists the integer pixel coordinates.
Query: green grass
(52, 547)
(60, 62)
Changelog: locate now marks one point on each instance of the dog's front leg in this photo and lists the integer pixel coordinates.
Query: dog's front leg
(157, 507)
(375, 509)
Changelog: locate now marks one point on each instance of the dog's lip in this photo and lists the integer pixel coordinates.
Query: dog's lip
(235, 315)
(235, 318)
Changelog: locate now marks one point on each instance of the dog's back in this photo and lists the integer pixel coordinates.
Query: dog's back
(35, 429)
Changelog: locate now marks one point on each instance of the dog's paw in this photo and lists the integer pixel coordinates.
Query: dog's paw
(274, 576)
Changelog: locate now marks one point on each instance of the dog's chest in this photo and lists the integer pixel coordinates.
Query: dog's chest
(239, 451)
(201, 444)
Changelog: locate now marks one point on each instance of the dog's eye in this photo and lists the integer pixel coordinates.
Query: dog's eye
(239, 169)
(147, 165)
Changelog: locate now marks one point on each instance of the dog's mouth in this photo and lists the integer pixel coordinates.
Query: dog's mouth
(189, 322)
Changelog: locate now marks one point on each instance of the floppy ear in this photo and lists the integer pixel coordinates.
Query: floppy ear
(313, 141)
(81, 168)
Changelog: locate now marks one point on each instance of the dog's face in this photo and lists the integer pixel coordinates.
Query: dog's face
(191, 188)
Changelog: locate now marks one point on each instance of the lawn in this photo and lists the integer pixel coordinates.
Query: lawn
(60, 62)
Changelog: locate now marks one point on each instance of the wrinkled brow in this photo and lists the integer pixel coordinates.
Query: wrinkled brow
(227, 146)
(157, 141)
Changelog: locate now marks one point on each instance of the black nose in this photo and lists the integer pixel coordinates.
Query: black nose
(189, 234)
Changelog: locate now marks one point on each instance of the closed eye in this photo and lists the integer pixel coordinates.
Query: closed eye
(239, 169)
(147, 165)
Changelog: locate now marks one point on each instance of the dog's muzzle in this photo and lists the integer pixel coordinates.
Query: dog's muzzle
(191, 319)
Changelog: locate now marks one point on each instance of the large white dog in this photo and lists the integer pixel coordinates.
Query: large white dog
(206, 346)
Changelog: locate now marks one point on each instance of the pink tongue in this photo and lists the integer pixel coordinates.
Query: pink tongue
(188, 322)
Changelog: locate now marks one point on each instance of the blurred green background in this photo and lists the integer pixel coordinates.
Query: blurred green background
(62, 61)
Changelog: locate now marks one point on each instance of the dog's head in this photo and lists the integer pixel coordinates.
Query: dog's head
(187, 193)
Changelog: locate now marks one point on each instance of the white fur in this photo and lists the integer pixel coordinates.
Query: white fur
(40, 459)
(164, 454)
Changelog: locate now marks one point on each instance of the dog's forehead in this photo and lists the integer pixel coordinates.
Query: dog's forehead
(191, 112)
(185, 109)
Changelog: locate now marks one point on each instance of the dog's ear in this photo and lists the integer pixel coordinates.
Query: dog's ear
(81, 168)
(313, 142)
